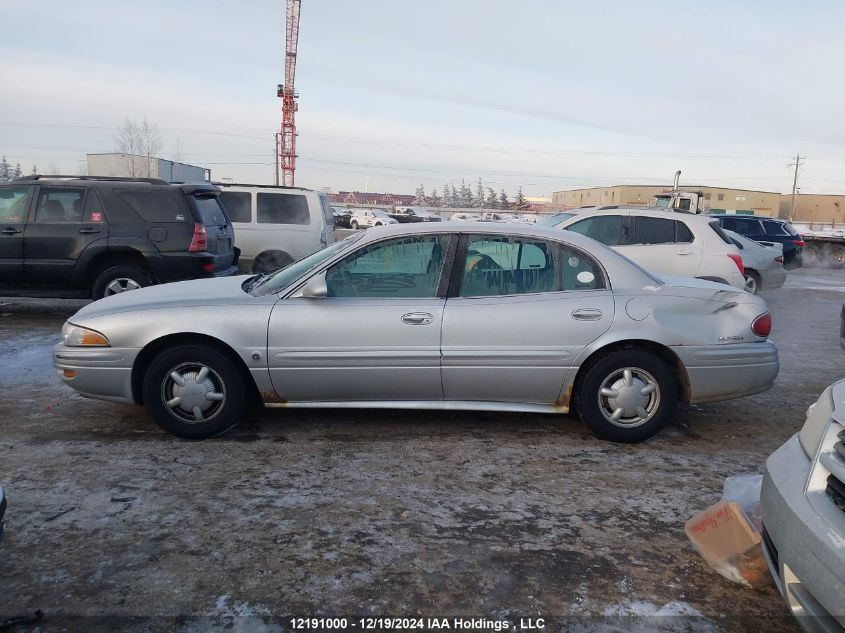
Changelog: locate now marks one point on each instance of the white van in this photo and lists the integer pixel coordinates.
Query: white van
(276, 226)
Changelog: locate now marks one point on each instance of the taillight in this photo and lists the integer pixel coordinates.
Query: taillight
(799, 243)
(199, 242)
(738, 261)
(762, 325)
(779, 259)
(208, 267)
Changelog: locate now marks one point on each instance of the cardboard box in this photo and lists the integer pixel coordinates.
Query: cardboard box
(729, 543)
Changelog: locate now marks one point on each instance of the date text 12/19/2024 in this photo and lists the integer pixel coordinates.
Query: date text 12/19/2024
(419, 624)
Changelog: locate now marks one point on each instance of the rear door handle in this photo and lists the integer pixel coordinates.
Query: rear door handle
(417, 318)
(9, 230)
(587, 314)
(685, 252)
(89, 229)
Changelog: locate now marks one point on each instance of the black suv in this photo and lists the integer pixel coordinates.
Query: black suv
(761, 229)
(72, 235)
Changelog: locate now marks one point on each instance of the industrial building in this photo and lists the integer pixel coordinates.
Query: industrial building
(134, 166)
(720, 199)
(811, 208)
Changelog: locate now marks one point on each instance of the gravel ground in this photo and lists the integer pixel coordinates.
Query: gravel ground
(113, 524)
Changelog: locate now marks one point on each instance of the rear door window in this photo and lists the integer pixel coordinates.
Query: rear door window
(238, 204)
(13, 203)
(501, 265)
(653, 230)
(282, 208)
(156, 206)
(60, 205)
(743, 226)
(606, 229)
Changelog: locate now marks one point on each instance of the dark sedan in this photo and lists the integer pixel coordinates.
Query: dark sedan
(761, 229)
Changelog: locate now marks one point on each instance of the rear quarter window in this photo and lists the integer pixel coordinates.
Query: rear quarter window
(156, 206)
(238, 204)
(718, 231)
(778, 228)
(282, 208)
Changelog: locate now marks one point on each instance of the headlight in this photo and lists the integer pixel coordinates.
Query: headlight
(76, 336)
(818, 417)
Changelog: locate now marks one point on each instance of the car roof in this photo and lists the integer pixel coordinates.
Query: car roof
(745, 215)
(648, 212)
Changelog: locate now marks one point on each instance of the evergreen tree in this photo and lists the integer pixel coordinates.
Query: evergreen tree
(492, 201)
(35, 170)
(433, 200)
(447, 198)
(466, 195)
(478, 201)
(5, 170)
(419, 198)
(17, 173)
(454, 198)
(521, 202)
(504, 203)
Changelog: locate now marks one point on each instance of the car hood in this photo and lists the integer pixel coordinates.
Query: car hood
(216, 291)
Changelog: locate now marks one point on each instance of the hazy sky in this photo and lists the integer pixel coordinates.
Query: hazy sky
(547, 95)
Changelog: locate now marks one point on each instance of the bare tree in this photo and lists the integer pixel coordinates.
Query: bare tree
(136, 140)
(178, 152)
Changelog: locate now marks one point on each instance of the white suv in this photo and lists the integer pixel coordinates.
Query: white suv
(276, 226)
(672, 244)
(363, 218)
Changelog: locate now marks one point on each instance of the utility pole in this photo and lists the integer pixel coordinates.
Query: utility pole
(796, 164)
(276, 136)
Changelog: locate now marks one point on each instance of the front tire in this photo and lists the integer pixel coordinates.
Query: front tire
(117, 279)
(194, 392)
(354, 224)
(627, 396)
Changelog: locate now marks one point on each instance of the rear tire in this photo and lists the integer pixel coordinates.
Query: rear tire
(627, 374)
(271, 261)
(118, 279)
(354, 224)
(811, 256)
(835, 256)
(210, 400)
(752, 281)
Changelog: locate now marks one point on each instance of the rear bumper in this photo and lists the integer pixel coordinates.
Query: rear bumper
(803, 550)
(773, 278)
(184, 266)
(104, 373)
(723, 372)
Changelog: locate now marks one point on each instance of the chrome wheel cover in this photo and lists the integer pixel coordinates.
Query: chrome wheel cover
(629, 397)
(121, 284)
(193, 393)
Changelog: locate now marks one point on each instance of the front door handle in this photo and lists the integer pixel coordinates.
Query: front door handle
(89, 229)
(685, 252)
(417, 318)
(9, 230)
(587, 314)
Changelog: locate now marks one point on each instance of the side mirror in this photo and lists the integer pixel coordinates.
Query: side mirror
(315, 288)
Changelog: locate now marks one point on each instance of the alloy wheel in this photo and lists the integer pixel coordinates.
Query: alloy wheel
(121, 284)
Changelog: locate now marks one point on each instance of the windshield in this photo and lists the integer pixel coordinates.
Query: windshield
(556, 219)
(380, 214)
(662, 203)
(283, 277)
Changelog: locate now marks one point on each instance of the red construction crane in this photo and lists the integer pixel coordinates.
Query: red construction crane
(287, 136)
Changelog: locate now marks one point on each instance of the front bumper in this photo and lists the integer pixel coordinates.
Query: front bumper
(723, 372)
(104, 373)
(804, 549)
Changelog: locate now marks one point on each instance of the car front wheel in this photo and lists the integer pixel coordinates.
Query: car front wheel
(354, 224)
(194, 392)
(627, 396)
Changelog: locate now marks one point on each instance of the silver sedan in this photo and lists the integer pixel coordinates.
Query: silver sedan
(474, 316)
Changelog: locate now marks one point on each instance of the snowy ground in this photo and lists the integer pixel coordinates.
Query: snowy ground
(113, 524)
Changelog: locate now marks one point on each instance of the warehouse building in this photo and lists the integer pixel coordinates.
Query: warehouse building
(134, 166)
(720, 199)
(811, 208)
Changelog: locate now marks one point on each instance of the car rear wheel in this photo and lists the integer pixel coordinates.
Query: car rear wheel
(194, 392)
(752, 281)
(354, 224)
(627, 396)
(118, 279)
